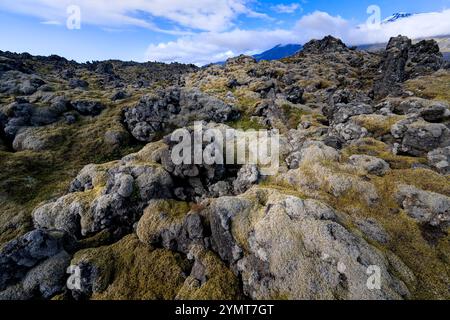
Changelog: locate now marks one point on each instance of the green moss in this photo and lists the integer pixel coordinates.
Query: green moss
(246, 123)
(373, 147)
(378, 125)
(406, 239)
(246, 101)
(216, 87)
(221, 283)
(176, 209)
(428, 262)
(436, 86)
(159, 216)
(100, 239)
(130, 270)
(28, 178)
(283, 187)
(293, 115)
(318, 83)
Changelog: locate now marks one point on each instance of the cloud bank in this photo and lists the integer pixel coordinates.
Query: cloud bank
(286, 8)
(209, 47)
(205, 31)
(204, 15)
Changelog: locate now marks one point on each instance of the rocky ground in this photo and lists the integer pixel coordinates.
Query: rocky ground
(87, 180)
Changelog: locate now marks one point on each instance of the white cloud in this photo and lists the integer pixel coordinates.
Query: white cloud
(52, 22)
(286, 8)
(417, 26)
(320, 24)
(210, 47)
(206, 15)
(206, 30)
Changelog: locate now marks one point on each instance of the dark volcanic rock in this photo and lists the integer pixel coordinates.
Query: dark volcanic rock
(424, 58)
(327, 44)
(20, 256)
(423, 137)
(393, 67)
(105, 67)
(78, 83)
(440, 159)
(119, 95)
(175, 108)
(435, 113)
(88, 108)
(402, 61)
(295, 94)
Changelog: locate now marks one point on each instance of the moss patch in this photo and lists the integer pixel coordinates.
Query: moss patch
(131, 270)
(378, 125)
(373, 147)
(246, 123)
(293, 115)
(159, 216)
(436, 86)
(220, 284)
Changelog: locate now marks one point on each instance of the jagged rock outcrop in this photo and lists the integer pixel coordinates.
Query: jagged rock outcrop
(175, 108)
(14, 82)
(91, 108)
(426, 207)
(170, 224)
(440, 159)
(34, 265)
(370, 165)
(419, 137)
(113, 196)
(403, 60)
(327, 44)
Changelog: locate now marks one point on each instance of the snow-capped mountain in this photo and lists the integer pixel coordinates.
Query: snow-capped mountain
(397, 16)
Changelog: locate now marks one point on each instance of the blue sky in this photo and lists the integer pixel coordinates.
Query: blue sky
(200, 31)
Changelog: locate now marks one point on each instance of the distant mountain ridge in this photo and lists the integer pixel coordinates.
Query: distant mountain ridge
(284, 51)
(279, 52)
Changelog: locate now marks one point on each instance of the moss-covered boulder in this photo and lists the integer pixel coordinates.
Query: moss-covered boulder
(287, 247)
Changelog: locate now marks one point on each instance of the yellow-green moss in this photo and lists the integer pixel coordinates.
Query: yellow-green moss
(429, 262)
(131, 270)
(246, 123)
(377, 124)
(436, 86)
(221, 283)
(161, 215)
(29, 178)
(246, 100)
(376, 148)
(293, 115)
(217, 87)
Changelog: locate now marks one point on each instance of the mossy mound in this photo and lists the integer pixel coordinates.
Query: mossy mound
(161, 216)
(379, 149)
(219, 282)
(429, 261)
(130, 270)
(436, 86)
